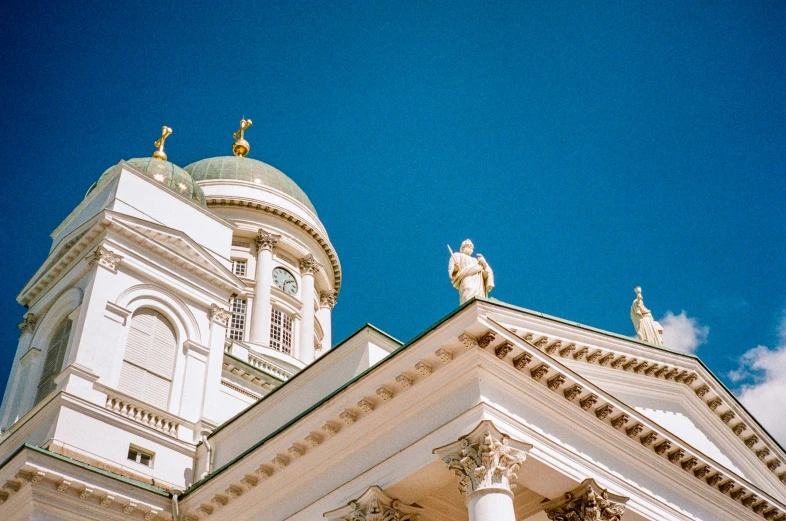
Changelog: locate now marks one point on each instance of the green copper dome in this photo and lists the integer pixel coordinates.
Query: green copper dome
(250, 171)
(165, 173)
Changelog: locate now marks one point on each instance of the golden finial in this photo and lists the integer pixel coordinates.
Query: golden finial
(241, 147)
(160, 154)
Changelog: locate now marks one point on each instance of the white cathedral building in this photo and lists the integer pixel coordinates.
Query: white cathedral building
(176, 363)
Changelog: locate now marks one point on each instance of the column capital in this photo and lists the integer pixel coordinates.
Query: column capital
(266, 240)
(28, 323)
(587, 502)
(484, 459)
(375, 505)
(327, 299)
(105, 258)
(309, 265)
(219, 315)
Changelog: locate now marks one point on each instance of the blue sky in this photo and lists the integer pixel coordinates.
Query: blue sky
(586, 148)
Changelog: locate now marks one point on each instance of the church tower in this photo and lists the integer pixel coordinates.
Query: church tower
(171, 300)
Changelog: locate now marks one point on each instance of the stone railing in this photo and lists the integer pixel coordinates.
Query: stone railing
(141, 413)
(268, 366)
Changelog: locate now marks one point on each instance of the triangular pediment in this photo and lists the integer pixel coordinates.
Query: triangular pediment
(177, 247)
(672, 389)
(303, 435)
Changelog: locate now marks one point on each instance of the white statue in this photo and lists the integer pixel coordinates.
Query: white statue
(647, 328)
(471, 276)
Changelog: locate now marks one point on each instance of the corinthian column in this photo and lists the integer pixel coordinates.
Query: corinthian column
(486, 462)
(260, 316)
(588, 502)
(308, 266)
(374, 505)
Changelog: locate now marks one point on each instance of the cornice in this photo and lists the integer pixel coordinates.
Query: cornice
(702, 386)
(548, 371)
(52, 474)
(316, 234)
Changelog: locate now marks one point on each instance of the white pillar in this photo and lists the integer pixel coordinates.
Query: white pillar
(18, 374)
(327, 299)
(308, 266)
(260, 317)
(486, 462)
(491, 505)
(219, 319)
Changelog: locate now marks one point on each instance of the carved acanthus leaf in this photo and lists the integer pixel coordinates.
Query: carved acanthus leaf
(28, 323)
(309, 265)
(588, 502)
(266, 240)
(484, 459)
(104, 258)
(375, 505)
(219, 315)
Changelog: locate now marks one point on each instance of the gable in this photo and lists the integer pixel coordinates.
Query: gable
(178, 248)
(656, 379)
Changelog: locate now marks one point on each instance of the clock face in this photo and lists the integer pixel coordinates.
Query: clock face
(284, 281)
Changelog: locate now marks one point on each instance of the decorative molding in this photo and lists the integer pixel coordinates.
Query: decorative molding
(486, 338)
(265, 240)
(404, 381)
(28, 323)
(444, 355)
(375, 505)
(468, 340)
(484, 459)
(587, 502)
(104, 258)
(423, 368)
(620, 362)
(219, 315)
(327, 299)
(309, 265)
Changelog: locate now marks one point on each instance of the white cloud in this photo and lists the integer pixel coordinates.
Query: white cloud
(765, 370)
(682, 333)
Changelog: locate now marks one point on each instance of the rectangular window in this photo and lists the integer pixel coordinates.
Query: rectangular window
(237, 324)
(140, 456)
(281, 331)
(239, 267)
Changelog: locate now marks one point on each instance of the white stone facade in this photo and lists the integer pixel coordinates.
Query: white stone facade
(156, 403)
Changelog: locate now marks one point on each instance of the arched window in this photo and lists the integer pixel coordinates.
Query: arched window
(149, 358)
(55, 353)
(281, 331)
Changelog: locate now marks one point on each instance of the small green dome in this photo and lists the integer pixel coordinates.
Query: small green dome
(166, 173)
(248, 170)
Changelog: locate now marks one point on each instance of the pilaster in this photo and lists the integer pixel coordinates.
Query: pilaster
(327, 299)
(25, 354)
(219, 320)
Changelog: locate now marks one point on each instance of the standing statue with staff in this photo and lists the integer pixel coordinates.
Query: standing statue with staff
(471, 276)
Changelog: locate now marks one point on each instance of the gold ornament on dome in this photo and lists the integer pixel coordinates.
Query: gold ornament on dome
(241, 147)
(160, 154)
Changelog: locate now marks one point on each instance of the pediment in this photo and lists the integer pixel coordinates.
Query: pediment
(466, 363)
(672, 389)
(176, 247)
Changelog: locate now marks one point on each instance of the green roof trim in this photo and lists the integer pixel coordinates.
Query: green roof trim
(444, 319)
(241, 413)
(320, 402)
(136, 483)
